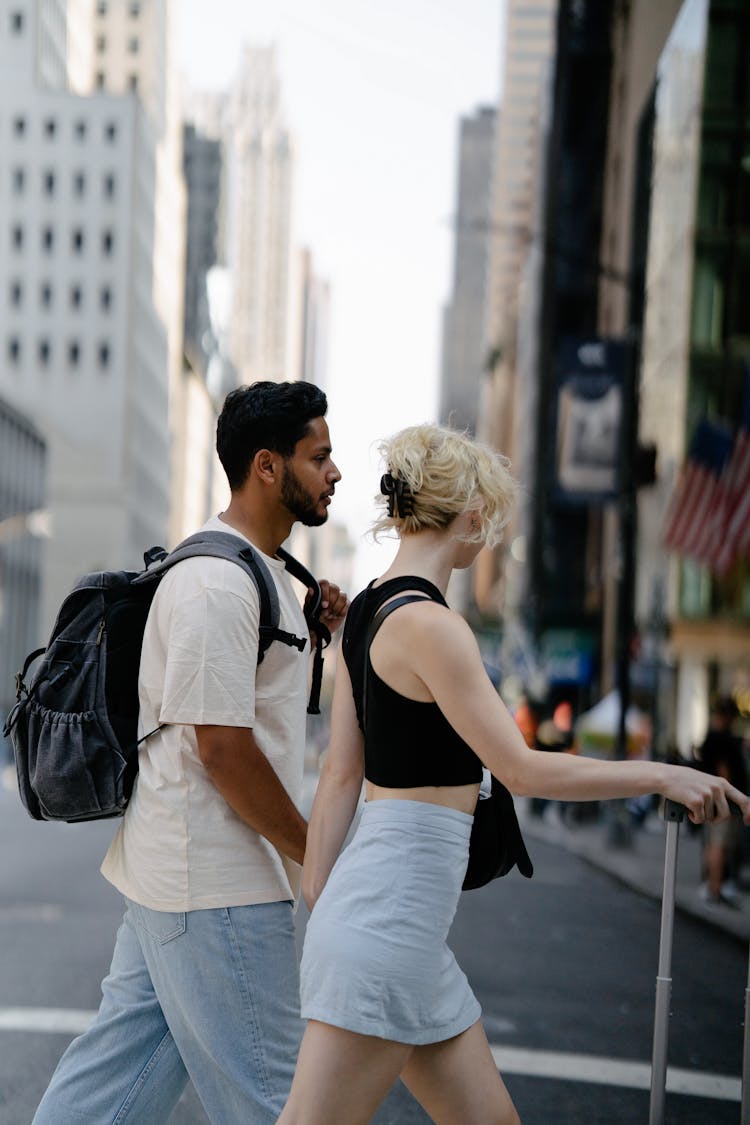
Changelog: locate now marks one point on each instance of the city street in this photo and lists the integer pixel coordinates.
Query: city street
(564, 966)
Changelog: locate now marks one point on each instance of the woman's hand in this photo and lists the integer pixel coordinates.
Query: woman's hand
(705, 797)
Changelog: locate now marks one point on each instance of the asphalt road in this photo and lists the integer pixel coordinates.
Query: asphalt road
(564, 966)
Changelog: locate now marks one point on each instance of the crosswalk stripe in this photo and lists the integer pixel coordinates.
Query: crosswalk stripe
(509, 1060)
(613, 1072)
(51, 1020)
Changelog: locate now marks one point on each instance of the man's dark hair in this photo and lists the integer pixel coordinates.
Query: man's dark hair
(264, 415)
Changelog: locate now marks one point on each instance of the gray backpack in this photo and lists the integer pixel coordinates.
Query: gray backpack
(74, 728)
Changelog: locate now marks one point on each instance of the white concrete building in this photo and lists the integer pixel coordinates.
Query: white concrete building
(258, 152)
(86, 269)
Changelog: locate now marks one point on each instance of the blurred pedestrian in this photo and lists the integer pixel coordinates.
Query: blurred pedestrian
(527, 720)
(721, 754)
(381, 990)
(203, 982)
(554, 734)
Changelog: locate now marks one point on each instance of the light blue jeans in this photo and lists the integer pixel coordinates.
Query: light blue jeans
(209, 994)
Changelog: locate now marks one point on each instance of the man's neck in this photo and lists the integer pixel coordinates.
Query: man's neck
(267, 533)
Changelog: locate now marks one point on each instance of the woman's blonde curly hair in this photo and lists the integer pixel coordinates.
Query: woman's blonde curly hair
(447, 473)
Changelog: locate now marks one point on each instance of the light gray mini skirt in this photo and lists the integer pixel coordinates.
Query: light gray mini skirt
(375, 957)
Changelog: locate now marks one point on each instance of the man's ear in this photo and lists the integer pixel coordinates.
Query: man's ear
(267, 465)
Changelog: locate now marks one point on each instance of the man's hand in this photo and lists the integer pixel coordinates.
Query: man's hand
(334, 605)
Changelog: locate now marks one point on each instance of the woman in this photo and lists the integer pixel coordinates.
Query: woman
(381, 991)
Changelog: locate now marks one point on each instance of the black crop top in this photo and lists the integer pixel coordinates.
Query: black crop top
(408, 743)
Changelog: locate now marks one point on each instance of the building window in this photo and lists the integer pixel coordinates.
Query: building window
(105, 298)
(104, 355)
(110, 132)
(134, 8)
(79, 183)
(44, 351)
(50, 127)
(76, 296)
(133, 83)
(108, 241)
(134, 45)
(109, 185)
(16, 237)
(48, 182)
(16, 23)
(16, 293)
(101, 7)
(100, 79)
(45, 295)
(101, 44)
(77, 240)
(14, 349)
(19, 126)
(74, 353)
(48, 239)
(19, 180)
(80, 130)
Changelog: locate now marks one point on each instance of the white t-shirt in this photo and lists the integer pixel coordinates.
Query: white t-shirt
(180, 846)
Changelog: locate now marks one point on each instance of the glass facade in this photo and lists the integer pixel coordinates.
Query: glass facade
(696, 341)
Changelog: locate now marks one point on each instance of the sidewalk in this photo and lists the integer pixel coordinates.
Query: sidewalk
(640, 866)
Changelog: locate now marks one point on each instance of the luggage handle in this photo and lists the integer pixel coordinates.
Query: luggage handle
(673, 813)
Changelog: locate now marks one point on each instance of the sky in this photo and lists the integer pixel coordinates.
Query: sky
(373, 93)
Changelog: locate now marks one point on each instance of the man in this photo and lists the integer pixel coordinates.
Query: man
(203, 981)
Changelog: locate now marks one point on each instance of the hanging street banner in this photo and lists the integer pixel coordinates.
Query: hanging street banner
(591, 389)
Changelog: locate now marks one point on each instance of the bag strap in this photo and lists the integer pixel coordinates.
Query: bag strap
(312, 609)
(377, 620)
(224, 545)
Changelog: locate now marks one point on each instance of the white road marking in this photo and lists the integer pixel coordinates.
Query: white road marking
(52, 1020)
(31, 912)
(613, 1072)
(509, 1060)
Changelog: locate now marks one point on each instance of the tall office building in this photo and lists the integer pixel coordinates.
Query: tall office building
(258, 237)
(202, 163)
(529, 51)
(23, 482)
(463, 350)
(314, 300)
(90, 220)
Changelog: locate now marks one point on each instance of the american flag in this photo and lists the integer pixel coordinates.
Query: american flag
(689, 527)
(709, 514)
(736, 526)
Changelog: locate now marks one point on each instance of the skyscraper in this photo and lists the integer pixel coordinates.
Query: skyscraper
(259, 157)
(463, 352)
(90, 328)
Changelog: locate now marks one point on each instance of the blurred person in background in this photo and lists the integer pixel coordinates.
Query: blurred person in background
(722, 755)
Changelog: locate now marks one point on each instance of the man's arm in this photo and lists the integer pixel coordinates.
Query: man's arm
(248, 783)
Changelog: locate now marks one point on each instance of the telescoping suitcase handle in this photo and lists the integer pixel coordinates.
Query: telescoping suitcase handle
(674, 814)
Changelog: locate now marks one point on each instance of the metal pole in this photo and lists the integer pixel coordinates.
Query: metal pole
(673, 814)
(745, 1111)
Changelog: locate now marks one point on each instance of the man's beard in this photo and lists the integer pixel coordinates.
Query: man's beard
(302, 505)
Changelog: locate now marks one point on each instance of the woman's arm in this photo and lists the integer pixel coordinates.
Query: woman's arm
(446, 658)
(338, 789)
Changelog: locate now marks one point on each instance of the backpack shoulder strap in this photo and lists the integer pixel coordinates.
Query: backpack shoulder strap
(225, 545)
(312, 610)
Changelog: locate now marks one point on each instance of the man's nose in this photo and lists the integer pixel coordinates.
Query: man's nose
(334, 473)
